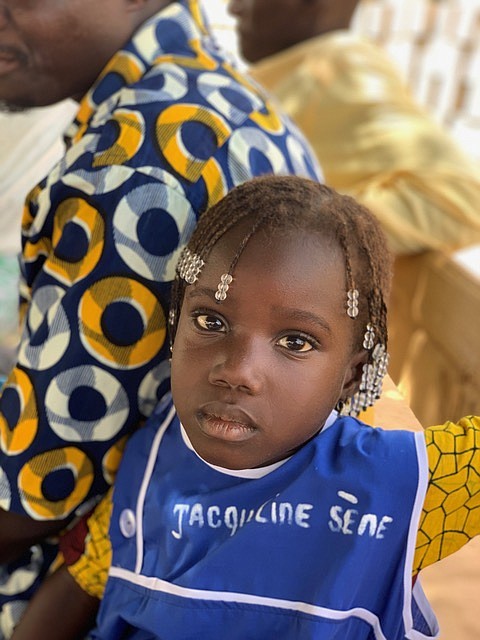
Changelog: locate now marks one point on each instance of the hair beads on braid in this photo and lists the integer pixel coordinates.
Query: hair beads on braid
(289, 203)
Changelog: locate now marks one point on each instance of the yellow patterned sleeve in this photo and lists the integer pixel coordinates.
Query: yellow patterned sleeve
(91, 569)
(451, 512)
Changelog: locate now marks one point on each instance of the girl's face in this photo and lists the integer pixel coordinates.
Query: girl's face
(255, 377)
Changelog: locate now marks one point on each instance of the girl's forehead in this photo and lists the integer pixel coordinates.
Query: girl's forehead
(297, 260)
(281, 245)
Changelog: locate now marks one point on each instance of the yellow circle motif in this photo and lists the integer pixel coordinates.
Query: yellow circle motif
(21, 437)
(269, 120)
(32, 477)
(123, 64)
(215, 182)
(169, 135)
(96, 301)
(127, 66)
(131, 133)
(79, 212)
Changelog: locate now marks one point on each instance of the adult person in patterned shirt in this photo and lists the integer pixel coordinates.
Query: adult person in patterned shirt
(165, 127)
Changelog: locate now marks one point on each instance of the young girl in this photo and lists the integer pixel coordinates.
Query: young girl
(257, 506)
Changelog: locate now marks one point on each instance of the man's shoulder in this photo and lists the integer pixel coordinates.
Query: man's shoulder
(191, 115)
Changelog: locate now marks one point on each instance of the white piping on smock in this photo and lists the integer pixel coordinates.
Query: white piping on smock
(155, 584)
(144, 486)
(424, 606)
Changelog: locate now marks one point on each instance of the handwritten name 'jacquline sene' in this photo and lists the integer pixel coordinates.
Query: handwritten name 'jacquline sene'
(346, 521)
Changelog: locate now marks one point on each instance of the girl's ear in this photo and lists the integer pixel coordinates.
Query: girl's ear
(353, 374)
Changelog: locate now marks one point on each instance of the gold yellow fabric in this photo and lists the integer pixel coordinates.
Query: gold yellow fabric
(375, 143)
(435, 337)
(451, 512)
(450, 517)
(91, 569)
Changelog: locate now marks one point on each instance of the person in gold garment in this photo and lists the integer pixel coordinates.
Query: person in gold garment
(373, 139)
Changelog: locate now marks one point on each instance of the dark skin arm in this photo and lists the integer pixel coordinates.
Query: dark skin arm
(18, 533)
(60, 610)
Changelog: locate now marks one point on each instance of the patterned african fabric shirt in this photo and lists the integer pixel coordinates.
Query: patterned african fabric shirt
(167, 129)
(449, 519)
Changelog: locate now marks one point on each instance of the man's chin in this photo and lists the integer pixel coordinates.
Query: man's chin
(9, 107)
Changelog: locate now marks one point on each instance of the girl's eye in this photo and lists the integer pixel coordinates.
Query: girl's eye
(296, 343)
(209, 323)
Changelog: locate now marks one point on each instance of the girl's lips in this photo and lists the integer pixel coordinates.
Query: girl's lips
(225, 427)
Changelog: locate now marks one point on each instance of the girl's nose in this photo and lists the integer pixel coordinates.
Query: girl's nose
(240, 365)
